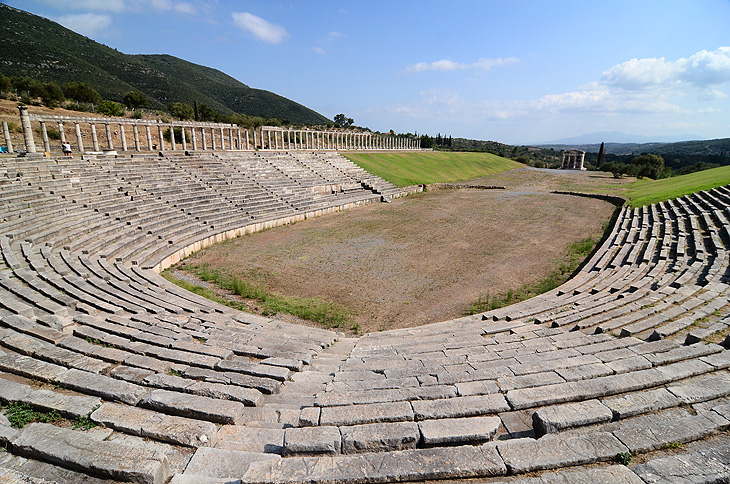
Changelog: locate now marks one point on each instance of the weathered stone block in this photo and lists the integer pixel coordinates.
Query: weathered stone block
(379, 437)
(548, 420)
(312, 441)
(368, 413)
(555, 450)
(450, 431)
(459, 407)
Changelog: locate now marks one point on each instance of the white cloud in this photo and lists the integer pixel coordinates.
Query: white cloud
(186, 8)
(95, 5)
(701, 70)
(319, 50)
(449, 65)
(88, 24)
(260, 28)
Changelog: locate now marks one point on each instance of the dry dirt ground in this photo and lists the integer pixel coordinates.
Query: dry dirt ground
(427, 257)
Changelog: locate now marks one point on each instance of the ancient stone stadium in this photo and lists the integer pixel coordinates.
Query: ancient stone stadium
(133, 379)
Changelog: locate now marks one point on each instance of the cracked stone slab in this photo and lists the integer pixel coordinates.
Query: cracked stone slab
(147, 423)
(637, 403)
(549, 420)
(614, 474)
(78, 450)
(194, 406)
(31, 368)
(702, 388)
(450, 431)
(712, 465)
(379, 437)
(400, 466)
(556, 450)
(218, 463)
(652, 432)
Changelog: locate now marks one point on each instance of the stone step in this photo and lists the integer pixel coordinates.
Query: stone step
(81, 451)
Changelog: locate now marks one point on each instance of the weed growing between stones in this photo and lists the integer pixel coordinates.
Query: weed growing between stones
(85, 423)
(576, 253)
(624, 458)
(20, 414)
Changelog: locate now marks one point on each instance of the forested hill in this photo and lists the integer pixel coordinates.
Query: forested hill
(44, 50)
(712, 147)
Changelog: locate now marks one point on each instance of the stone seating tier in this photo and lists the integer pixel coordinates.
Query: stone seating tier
(621, 359)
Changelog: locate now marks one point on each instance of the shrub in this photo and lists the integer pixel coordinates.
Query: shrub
(110, 108)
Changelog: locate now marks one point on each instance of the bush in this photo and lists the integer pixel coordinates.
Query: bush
(53, 133)
(110, 108)
(178, 135)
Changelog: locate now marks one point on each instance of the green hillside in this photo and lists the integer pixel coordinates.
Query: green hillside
(404, 169)
(39, 48)
(647, 191)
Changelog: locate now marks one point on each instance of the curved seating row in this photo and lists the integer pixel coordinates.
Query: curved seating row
(626, 358)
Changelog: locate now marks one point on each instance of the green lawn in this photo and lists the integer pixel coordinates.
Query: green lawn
(405, 169)
(647, 191)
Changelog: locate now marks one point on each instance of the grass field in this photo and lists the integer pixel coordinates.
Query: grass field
(405, 169)
(647, 191)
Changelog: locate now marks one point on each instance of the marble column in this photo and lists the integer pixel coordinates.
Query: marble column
(124, 137)
(223, 140)
(148, 132)
(230, 138)
(44, 134)
(195, 138)
(161, 138)
(253, 131)
(245, 132)
(238, 133)
(183, 140)
(61, 132)
(202, 138)
(79, 139)
(94, 137)
(173, 145)
(109, 140)
(6, 134)
(212, 138)
(135, 132)
(27, 130)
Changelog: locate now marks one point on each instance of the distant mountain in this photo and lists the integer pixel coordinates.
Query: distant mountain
(712, 147)
(617, 137)
(42, 49)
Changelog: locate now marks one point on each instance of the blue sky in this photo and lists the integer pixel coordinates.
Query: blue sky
(511, 71)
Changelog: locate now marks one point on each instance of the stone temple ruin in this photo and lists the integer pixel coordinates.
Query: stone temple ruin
(623, 361)
(573, 160)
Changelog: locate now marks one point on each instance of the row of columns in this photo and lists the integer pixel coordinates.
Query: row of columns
(230, 137)
(288, 139)
(232, 133)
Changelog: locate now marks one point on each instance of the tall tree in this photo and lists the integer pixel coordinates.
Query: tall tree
(601, 155)
(343, 121)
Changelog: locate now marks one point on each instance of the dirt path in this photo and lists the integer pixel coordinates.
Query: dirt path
(423, 258)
